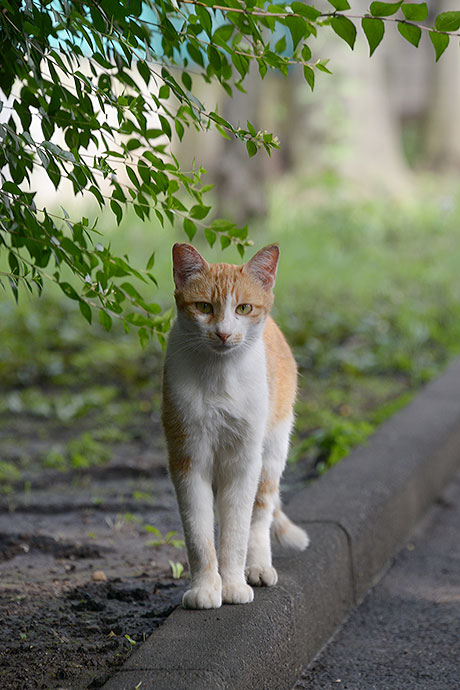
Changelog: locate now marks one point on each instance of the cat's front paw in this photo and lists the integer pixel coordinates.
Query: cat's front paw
(259, 575)
(206, 596)
(237, 593)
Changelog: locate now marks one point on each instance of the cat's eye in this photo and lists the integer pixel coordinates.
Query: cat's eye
(204, 307)
(244, 309)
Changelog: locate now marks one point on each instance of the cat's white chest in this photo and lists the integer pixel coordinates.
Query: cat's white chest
(225, 398)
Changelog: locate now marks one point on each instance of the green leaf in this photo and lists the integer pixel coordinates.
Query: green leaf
(95, 191)
(305, 10)
(69, 291)
(297, 28)
(105, 319)
(220, 120)
(190, 228)
(144, 71)
(309, 76)
(222, 225)
(205, 19)
(153, 530)
(144, 337)
(384, 9)
(210, 236)
(306, 53)
(179, 127)
(440, 43)
(214, 58)
(187, 80)
(11, 188)
(251, 128)
(165, 126)
(251, 148)
(150, 262)
(118, 211)
(322, 66)
(199, 211)
(374, 30)
(241, 63)
(280, 45)
(86, 310)
(13, 263)
(132, 176)
(164, 91)
(344, 28)
(448, 21)
(340, 4)
(410, 32)
(416, 12)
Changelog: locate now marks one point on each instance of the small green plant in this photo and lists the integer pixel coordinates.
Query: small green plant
(80, 453)
(177, 570)
(9, 472)
(130, 639)
(167, 539)
(129, 517)
(333, 441)
(143, 496)
(85, 451)
(55, 459)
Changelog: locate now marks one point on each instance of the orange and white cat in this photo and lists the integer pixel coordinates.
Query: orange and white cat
(228, 393)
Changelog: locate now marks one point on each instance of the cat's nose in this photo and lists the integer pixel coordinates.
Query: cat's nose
(223, 336)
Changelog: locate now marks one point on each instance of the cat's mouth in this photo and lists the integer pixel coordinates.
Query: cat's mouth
(223, 348)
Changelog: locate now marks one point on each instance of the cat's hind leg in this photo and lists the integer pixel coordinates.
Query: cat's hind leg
(266, 509)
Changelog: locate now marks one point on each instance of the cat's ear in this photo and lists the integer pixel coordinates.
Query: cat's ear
(264, 264)
(186, 262)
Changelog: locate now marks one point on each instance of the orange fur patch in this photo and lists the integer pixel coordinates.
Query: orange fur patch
(282, 373)
(179, 461)
(267, 487)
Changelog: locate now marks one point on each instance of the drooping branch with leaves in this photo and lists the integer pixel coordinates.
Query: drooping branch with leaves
(95, 91)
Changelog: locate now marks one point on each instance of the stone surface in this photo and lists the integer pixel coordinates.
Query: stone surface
(406, 632)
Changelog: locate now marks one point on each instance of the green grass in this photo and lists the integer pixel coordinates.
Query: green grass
(367, 293)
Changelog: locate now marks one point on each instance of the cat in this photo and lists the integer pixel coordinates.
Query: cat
(229, 385)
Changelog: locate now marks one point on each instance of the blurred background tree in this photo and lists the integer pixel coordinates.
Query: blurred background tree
(100, 94)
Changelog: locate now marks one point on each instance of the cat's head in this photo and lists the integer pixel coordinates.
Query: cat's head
(223, 306)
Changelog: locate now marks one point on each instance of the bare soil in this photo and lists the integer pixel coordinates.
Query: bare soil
(61, 626)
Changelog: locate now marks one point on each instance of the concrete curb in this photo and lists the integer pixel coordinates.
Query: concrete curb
(357, 515)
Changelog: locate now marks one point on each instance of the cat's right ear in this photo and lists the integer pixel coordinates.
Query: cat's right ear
(263, 265)
(186, 262)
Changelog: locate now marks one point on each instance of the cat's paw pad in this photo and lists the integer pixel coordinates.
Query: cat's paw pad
(203, 597)
(238, 593)
(258, 575)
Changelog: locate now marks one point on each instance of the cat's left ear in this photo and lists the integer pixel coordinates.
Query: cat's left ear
(264, 264)
(186, 262)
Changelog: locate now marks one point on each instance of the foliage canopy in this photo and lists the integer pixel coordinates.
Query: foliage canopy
(95, 91)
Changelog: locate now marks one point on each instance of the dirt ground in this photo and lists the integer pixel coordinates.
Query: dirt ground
(85, 560)
(61, 627)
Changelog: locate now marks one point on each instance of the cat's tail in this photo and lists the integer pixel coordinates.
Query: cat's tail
(286, 533)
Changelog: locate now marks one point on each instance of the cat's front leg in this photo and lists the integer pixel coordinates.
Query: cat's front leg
(193, 485)
(235, 498)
